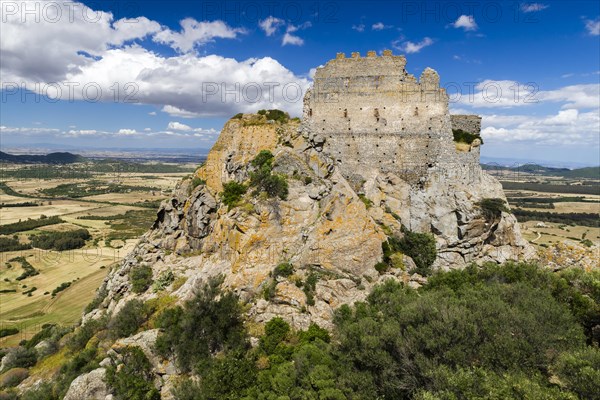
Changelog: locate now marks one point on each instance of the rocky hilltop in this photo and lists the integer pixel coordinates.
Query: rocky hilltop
(318, 229)
(328, 223)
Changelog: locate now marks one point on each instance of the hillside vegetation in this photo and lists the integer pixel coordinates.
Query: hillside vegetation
(498, 332)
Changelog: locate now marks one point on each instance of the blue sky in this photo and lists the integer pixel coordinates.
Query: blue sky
(153, 74)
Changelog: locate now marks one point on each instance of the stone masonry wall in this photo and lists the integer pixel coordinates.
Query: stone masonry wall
(468, 123)
(376, 117)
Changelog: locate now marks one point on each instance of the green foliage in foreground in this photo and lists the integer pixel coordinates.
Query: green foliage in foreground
(204, 326)
(498, 332)
(134, 380)
(495, 332)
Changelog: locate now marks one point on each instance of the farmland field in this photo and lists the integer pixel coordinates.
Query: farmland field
(554, 209)
(119, 208)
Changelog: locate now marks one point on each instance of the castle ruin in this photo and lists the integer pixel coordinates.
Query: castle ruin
(376, 117)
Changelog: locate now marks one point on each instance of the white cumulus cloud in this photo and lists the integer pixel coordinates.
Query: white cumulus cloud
(107, 58)
(379, 26)
(295, 40)
(466, 22)
(593, 27)
(412, 47)
(179, 126)
(270, 24)
(194, 33)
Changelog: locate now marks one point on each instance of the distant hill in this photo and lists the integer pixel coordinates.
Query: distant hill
(52, 158)
(587, 172)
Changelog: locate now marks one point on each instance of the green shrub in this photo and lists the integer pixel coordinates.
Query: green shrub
(232, 193)
(28, 269)
(238, 116)
(574, 287)
(209, 323)
(163, 281)
(264, 180)
(197, 181)
(61, 241)
(587, 243)
(284, 269)
(40, 392)
(19, 357)
(275, 115)
(13, 377)
(275, 186)
(492, 208)
(269, 290)
(129, 319)
(314, 332)
(60, 288)
(100, 296)
(461, 136)
(310, 285)
(401, 337)
(479, 384)
(381, 267)
(84, 333)
(140, 278)
(263, 159)
(418, 246)
(134, 379)
(579, 371)
(275, 331)
(8, 331)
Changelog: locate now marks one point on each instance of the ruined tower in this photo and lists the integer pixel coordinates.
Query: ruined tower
(375, 117)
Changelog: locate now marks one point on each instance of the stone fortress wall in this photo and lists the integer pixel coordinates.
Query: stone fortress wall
(376, 117)
(468, 123)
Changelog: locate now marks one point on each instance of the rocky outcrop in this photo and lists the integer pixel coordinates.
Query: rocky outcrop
(90, 386)
(327, 226)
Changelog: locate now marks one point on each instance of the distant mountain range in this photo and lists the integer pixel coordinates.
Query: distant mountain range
(587, 172)
(52, 158)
